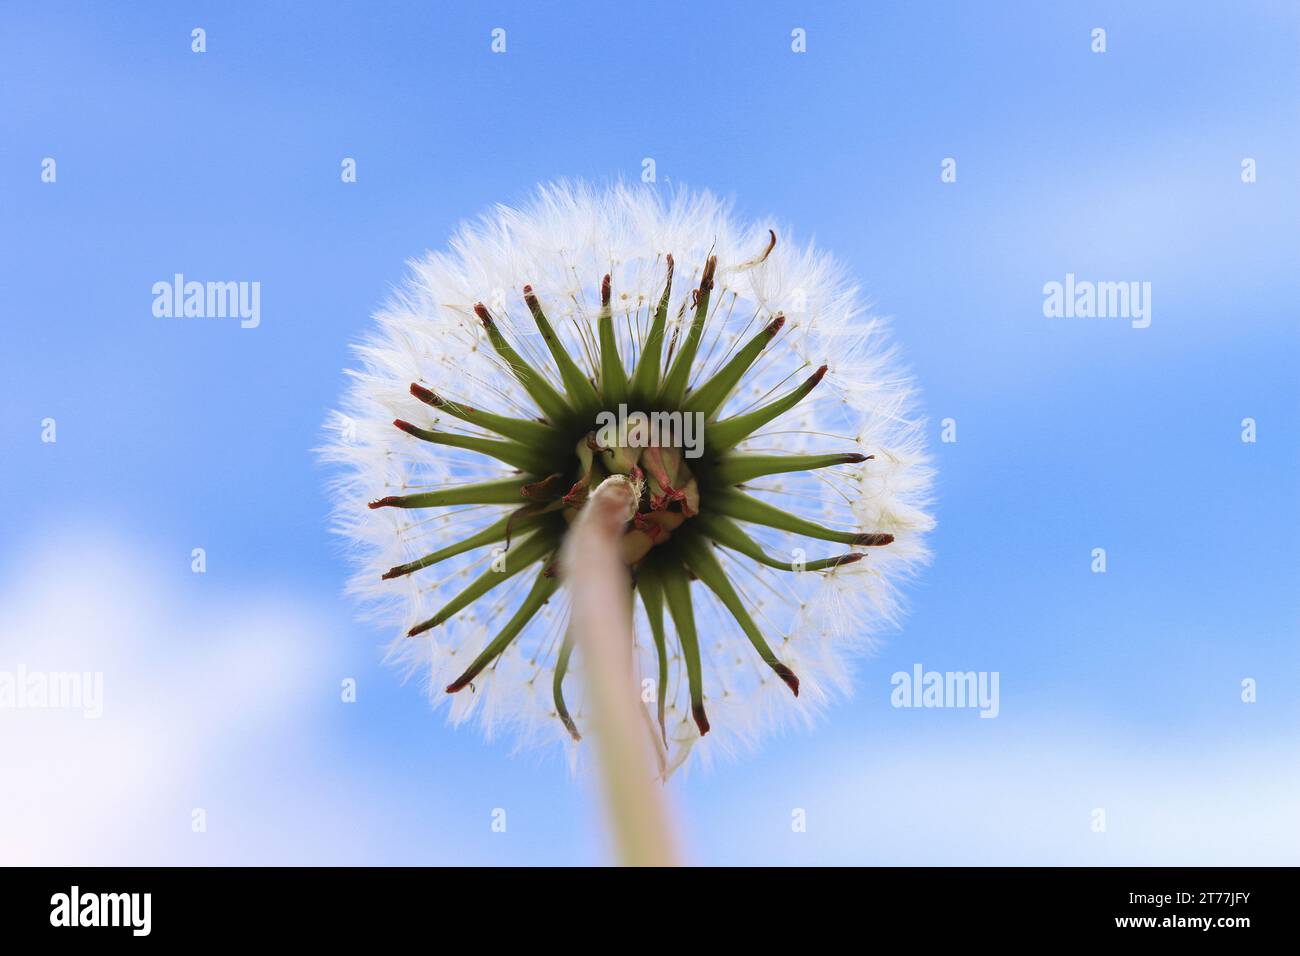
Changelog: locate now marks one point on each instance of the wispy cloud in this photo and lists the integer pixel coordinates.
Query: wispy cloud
(1027, 797)
(214, 707)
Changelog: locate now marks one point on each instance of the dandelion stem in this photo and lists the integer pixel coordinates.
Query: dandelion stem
(601, 625)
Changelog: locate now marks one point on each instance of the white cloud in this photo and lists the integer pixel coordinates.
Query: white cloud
(210, 700)
(1026, 797)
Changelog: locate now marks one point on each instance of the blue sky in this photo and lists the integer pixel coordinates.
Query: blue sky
(1119, 690)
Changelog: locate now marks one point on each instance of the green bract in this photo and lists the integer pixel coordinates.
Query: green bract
(688, 505)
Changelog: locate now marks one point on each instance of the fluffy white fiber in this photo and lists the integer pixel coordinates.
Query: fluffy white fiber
(562, 243)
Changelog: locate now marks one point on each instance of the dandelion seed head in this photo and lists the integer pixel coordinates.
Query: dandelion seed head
(560, 245)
